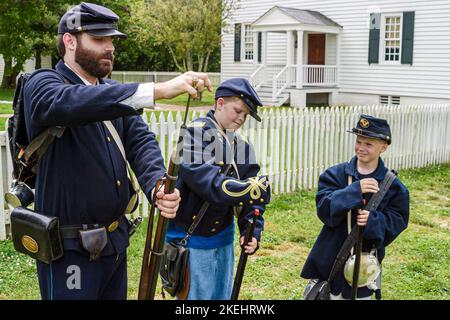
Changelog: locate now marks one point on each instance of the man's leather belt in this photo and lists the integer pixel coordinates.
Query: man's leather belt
(71, 231)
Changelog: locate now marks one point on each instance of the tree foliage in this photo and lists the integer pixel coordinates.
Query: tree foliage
(162, 34)
(189, 29)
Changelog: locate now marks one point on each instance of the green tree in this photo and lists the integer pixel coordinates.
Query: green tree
(132, 53)
(27, 29)
(15, 38)
(189, 29)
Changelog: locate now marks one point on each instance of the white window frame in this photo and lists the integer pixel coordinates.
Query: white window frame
(244, 43)
(383, 38)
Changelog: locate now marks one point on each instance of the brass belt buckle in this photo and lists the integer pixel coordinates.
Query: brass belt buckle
(113, 226)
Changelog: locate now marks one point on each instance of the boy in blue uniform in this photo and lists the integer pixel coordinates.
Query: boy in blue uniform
(211, 145)
(82, 177)
(346, 187)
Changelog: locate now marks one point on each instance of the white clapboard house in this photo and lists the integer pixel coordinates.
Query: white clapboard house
(341, 52)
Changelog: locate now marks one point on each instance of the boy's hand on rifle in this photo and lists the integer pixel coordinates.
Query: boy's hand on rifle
(168, 203)
(250, 248)
(369, 185)
(362, 217)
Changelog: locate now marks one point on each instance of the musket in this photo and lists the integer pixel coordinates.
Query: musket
(151, 259)
(243, 257)
(356, 267)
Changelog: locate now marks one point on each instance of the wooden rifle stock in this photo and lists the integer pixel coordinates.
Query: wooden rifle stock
(152, 254)
(243, 257)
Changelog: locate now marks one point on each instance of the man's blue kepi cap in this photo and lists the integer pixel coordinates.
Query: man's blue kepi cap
(372, 127)
(94, 19)
(241, 88)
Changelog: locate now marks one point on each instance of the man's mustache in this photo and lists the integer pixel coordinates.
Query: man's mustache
(108, 56)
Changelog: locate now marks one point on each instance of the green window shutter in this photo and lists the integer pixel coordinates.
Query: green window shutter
(407, 37)
(374, 37)
(237, 42)
(259, 46)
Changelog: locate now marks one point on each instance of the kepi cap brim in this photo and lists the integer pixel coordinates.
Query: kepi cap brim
(370, 135)
(107, 33)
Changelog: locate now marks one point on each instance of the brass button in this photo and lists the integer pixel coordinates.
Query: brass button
(262, 200)
(109, 139)
(193, 217)
(221, 163)
(250, 202)
(217, 222)
(241, 204)
(113, 226)
(118, 183)
(213, 230)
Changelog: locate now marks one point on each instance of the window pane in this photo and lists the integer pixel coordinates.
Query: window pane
(248, 43)
(392, 38)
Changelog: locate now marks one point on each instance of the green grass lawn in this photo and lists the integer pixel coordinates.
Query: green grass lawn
(5, 108)
(6, 94)
(416, 265)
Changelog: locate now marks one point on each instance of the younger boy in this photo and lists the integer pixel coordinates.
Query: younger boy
(347, 186)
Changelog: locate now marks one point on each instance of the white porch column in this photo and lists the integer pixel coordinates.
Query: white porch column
(338, 57)
(255, 49)
(289, 55)
(300, 58)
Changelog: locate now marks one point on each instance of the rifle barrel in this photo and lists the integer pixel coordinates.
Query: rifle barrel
(357, 265)
(243, 257)
(152, 254)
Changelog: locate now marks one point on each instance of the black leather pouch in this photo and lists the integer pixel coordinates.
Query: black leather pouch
(93, 241)
(174, 269)
(36, 235)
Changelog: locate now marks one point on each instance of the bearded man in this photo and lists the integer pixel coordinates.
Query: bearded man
(82, 178)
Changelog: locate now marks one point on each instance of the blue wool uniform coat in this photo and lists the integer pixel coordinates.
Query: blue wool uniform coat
(82, 178)
(205, 154)
(333, 200)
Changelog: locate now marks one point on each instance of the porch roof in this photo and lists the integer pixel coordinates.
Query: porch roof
(283, 18)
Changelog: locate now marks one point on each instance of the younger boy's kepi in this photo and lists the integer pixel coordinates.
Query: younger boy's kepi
(372, 127)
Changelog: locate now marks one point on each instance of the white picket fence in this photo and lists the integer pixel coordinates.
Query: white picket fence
(294, 146)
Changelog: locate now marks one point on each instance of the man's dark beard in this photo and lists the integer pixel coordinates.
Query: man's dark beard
(89, 60)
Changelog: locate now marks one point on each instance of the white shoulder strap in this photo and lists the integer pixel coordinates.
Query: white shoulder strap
(233, 163)
(112, 130)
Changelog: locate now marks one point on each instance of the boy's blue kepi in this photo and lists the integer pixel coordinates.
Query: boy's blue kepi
(372, 127)
(94, 19)
(241, 88)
